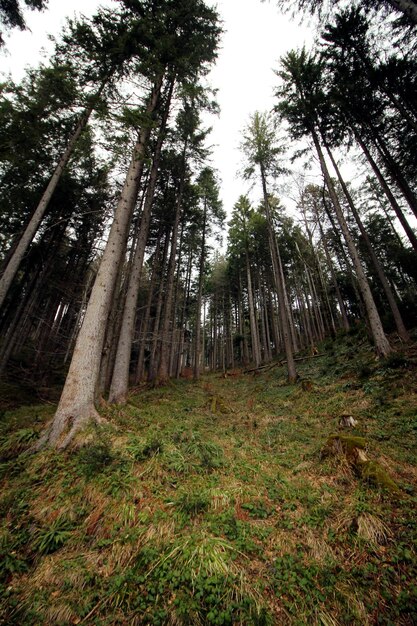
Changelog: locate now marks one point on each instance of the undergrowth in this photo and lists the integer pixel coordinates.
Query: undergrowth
(218, 502)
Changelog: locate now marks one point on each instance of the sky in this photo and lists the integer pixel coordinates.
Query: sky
(256, 36)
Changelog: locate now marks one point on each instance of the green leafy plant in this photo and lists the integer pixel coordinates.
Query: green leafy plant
(192, 502)
(53, 537)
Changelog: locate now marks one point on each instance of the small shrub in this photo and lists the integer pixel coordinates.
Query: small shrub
(52, 538)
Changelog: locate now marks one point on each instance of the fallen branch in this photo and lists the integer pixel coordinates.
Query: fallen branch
(280, 363)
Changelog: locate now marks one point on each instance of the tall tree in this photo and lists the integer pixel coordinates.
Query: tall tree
(261, 152)
(187, 34)
(103, 63)
(301, 102)
(211, 211)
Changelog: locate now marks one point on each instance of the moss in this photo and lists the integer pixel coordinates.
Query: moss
(347, 444)
(374, 473)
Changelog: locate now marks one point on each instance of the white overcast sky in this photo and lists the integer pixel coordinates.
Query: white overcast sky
(256, 36)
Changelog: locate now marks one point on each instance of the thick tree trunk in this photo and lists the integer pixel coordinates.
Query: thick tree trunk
(402, 331)
(76, 406)
(382, 345)
(120, 380)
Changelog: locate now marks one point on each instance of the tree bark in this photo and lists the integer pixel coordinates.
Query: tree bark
(382, 345)
(120, 380)
(76, 407)
(402, 331)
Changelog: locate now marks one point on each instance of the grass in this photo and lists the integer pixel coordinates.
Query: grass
(220, 502)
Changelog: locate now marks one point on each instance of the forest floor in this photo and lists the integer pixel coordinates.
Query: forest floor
(225, 501)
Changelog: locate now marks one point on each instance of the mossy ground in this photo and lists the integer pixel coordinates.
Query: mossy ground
(212, 503)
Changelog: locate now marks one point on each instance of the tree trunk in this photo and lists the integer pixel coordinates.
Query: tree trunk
(388, 193)
(256, 356)
(120, 380)
(345, 321)
(76, 406)
(395, 171)
(402, 332)
(163, 369)
(197, 346)
(280, 287)
(382, 345)
(33, 225)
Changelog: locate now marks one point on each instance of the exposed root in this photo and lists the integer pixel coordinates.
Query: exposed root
(61, 432)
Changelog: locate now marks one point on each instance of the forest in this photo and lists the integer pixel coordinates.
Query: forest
(208, 413)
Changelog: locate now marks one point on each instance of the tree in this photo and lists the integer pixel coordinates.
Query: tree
(188, 34)
(211, 211)
(261, 153)
(408, 8)
(240, 245)
(102, 66)
(302, 100)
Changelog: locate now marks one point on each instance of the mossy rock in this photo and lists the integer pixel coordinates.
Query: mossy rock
(217, 405)
(374, 473)
(345, 444)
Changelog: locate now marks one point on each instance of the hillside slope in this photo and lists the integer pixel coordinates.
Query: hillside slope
(237, 500)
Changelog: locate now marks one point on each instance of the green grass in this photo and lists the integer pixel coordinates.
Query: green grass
(216, 503)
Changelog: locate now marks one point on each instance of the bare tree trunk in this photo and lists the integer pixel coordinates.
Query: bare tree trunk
(345, 321)
(21, 248)
(256, 356)
(197, 346)
(153, 364)
(395, 171)
(76, 406)
(280, 287)
(341, 254)
(382, 345)
(163, 369)
(402, 332)
(180, 356)
(388, 193)
(120, 381)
